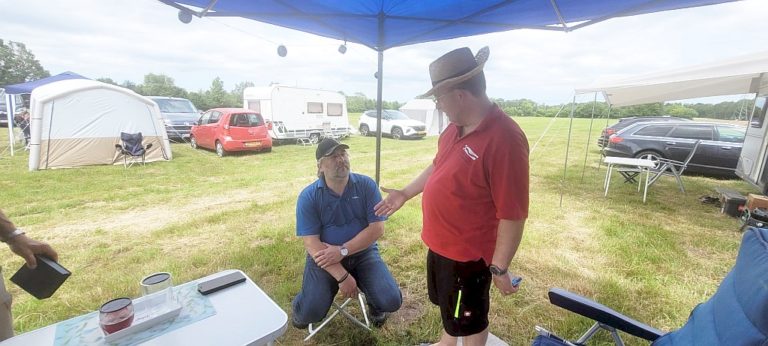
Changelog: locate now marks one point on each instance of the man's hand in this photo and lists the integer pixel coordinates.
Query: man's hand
(392, 203)
(27, 248)
(504, 284)
(328, 256)
(348, 287)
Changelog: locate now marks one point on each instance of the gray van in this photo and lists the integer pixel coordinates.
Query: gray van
(178, 114)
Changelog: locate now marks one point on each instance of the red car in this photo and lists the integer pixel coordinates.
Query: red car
(231, 129)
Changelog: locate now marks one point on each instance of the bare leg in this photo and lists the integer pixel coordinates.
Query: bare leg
(446, 340)
(478, 339)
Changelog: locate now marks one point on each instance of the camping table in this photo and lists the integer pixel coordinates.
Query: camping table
(245, 315)
(643, 164)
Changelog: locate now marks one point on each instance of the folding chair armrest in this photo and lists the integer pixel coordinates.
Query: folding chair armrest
(118, 147)
(601, 313)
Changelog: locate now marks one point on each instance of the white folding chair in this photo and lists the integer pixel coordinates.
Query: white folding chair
(339, 308)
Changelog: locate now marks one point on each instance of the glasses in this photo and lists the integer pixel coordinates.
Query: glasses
(436, 99)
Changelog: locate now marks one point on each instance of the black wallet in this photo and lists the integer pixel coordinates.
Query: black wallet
(42, 281)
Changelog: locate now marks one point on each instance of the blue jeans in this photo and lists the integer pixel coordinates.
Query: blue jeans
(373, 278)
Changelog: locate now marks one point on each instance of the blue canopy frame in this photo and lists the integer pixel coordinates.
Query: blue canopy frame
(384, 24)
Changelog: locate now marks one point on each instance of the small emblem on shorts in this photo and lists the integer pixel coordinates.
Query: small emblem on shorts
(467, 313)
(470, 152)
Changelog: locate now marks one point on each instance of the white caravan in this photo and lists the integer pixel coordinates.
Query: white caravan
(753, 162)
(297, 113)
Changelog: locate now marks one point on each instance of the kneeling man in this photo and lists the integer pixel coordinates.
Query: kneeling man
(336, 221)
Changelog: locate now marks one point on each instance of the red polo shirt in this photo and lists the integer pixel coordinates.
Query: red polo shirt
(477, 180)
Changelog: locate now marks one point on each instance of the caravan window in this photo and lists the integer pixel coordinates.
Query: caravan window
(315, 107)
(335, 109)
(758, 115)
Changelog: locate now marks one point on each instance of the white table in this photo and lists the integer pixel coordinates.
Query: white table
(245, 315)
(643, 164)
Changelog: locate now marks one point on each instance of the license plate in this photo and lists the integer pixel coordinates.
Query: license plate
(252, 144)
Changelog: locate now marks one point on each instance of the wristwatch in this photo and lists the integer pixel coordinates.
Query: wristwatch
(17, 232)
(496, 270)
(344, 251)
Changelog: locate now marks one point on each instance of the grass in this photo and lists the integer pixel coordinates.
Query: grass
(199, 214)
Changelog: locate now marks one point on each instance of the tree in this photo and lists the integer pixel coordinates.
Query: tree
(237, 92)
(18, 65)
(106, 80)
(160, 85)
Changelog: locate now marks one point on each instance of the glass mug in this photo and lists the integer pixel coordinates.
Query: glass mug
(115, 315)
(158, 291)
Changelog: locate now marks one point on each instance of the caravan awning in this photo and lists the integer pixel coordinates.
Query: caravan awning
(734, 76)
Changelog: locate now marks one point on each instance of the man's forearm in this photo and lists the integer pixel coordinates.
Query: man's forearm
(6, 226)
(366, 237)
(508, 237)
(313, 244)
(417, 185)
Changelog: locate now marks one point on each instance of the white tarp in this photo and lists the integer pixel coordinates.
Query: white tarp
(425, 110)
(734, 76)
(78, 122)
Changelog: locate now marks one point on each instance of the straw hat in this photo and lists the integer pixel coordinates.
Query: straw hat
(455, 67)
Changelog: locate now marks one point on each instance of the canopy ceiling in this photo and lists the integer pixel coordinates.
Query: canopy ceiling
(728, 77)
(26, 88)
(383, 24)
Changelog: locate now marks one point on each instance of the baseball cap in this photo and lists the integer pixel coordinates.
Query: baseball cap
(327, 146)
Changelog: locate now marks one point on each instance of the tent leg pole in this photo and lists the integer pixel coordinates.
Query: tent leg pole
(589, 138)
(605, 144)
(567, 148)
(380, 85)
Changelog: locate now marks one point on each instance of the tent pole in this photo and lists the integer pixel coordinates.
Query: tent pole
(589, 138)
(10, 106)
(379, 87)
(567, 148)
(605, 144)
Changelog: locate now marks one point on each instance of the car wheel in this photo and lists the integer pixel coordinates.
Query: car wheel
(648, 154)
(220, 149)
(314, 138)
(364, 130)
(397, 133)
(193, 142)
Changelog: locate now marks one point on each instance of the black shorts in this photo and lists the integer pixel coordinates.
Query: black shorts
(460, 289)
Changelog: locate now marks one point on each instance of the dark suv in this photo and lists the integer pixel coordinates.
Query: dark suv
(178, 115)
(624, 122)
(717, 154)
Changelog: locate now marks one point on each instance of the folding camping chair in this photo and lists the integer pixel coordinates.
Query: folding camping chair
(340, 309)
(132, 148)
(735, 315)
(663, 167)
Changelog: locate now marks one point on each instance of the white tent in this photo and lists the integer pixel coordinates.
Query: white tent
(734, 76)
(426, 111)
(78, 122)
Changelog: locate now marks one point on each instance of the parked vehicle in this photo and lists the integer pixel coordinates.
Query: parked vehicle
(624, 122)
(231, 129)
(394, 123)
(4, 110)
(718, 152)
(298, 113)
(178, 114)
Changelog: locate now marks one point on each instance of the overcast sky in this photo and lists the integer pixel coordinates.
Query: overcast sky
(125, 40)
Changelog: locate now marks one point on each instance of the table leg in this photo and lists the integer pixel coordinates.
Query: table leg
(607, 182)
(647, 176)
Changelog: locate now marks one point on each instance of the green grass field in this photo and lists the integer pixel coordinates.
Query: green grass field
(199, 214)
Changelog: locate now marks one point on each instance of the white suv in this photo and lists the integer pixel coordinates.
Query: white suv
(393, 123)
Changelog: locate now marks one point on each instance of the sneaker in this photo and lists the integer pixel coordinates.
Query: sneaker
(378, 320)
(298, 325)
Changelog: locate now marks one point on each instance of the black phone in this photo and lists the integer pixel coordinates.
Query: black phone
(220, 283)
(42, 281)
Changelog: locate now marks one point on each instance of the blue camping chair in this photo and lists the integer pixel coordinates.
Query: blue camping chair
(132, 148)
(736, 315)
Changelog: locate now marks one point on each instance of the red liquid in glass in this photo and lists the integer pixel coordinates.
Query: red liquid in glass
(110, 327)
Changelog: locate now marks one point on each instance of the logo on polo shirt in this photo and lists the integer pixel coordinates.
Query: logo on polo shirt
(470, 152)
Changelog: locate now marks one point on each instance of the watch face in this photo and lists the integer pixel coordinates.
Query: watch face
(495, 270)
(344, 251)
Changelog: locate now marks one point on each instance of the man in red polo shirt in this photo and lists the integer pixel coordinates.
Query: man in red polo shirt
(475, 199)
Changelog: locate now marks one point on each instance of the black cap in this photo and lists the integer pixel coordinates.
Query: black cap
(327, 146)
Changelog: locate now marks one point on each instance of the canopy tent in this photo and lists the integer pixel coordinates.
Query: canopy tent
(26, 88)
(738, 75)
(384, 24)
(78, 122)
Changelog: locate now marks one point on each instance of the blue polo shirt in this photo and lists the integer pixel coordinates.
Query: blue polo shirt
(337, 219)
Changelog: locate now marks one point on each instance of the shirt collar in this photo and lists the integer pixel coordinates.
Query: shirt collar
(321, 182)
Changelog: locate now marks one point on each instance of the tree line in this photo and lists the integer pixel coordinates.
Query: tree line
(18, 64)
